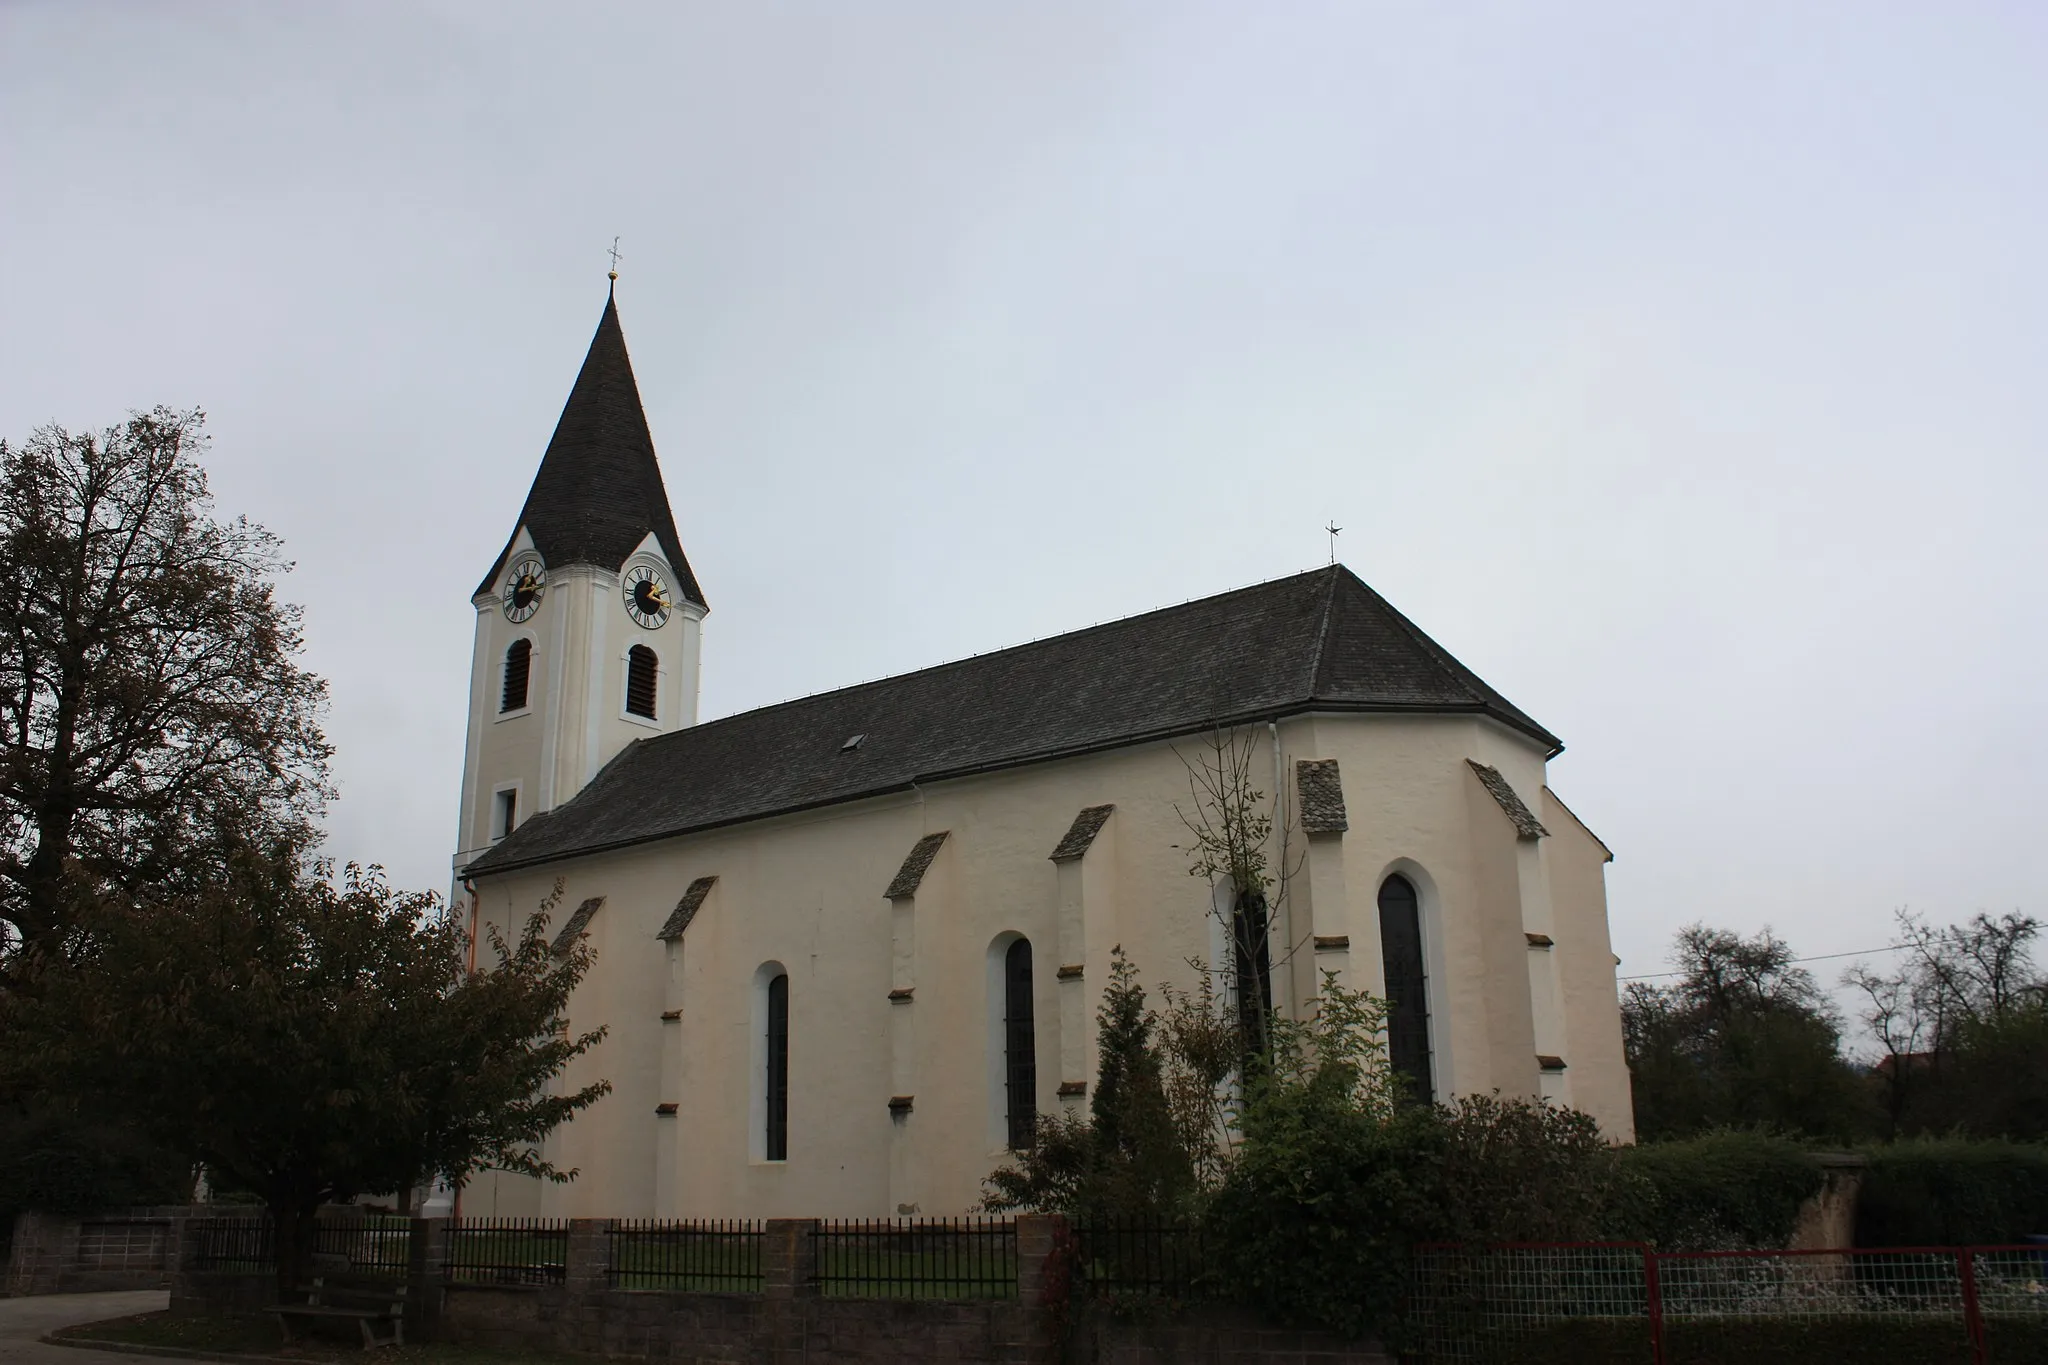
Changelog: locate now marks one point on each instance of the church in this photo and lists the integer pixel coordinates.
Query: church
(849, 947)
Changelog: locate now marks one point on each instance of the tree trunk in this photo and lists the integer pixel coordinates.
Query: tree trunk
(295, 1222)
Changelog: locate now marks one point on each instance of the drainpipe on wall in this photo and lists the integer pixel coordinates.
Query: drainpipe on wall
(1280, 881)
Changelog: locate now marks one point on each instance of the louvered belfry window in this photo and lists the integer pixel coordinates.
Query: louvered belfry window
(641, 671)
(777, 1144)
(1020, 1046)
(518, 669)
(1407, 984)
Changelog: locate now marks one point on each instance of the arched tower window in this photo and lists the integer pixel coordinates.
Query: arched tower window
(1407, 983)
(1020, 1047)
(641, 669)
(518, 669)
(776, 1144)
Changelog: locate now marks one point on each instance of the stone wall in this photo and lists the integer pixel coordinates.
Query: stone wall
(132, 1249)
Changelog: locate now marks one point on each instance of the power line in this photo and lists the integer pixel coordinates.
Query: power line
(1817, 957)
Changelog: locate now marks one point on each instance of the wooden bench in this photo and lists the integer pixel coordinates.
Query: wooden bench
(366, 1305)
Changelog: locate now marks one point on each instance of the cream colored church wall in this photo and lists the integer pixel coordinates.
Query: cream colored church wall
(1585, 956)
(806, 892)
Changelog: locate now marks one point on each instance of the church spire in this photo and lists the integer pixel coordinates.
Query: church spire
(598, 493)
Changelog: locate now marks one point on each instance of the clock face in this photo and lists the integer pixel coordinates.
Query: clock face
(523, 589)
(646, 597)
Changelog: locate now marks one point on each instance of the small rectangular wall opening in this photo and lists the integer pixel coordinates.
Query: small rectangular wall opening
(504, 813)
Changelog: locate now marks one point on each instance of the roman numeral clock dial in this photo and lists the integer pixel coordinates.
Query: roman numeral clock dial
(523, 589)
(647, 600)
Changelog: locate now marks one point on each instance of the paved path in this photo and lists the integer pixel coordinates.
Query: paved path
(23, 1320)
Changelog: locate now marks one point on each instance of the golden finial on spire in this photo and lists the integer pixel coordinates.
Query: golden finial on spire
(614, 273)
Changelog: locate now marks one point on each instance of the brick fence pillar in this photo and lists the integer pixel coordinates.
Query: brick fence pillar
(425, 1262)
(45, 1249)
(1038, 1235)
(789, 1261)
(588, 1269)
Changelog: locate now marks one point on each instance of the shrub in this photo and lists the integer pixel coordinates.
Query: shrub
(1521, 1170)
(1316, 1219)
(1953, 1191)
(1721, 1190)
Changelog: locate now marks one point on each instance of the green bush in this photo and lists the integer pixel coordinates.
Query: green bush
(1721, 1190)
(1316, 1219)
(1953, 1192)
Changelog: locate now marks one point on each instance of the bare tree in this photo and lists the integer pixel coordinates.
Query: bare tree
(1957, 989)
(152, 710)
(1242, 843)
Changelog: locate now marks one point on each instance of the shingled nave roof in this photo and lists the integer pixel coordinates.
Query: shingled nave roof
(1320, 641)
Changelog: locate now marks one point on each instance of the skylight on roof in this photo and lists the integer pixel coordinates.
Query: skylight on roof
(852, 743)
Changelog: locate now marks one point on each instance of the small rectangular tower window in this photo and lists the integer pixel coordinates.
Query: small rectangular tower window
(505, 813)
(518, 668)
(641, 670)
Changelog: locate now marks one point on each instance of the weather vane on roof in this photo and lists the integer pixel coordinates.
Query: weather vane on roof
(615, 258)
(1335, 530)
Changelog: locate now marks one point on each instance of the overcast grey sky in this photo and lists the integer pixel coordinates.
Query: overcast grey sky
(1677, 366)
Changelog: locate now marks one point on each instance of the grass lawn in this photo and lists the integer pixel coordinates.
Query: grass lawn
(260, 1336)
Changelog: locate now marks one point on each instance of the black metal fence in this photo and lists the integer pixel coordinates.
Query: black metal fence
(233, 1244)
(375, 1246)
(916, 1258)
(715, 1255)
(1129, 1259)
(378, 1246)
(507, 1251)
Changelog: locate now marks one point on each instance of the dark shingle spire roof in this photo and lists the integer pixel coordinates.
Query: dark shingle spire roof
(599, 491)
(1320, 641)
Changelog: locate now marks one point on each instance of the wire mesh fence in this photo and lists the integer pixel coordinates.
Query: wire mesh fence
(1127, 1259)
(718, 1255)
(916, 1258)
(1624, 1302)
(1587, 1302)
(507, 1251)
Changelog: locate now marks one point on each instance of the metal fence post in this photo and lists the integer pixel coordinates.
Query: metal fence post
(1655, 1291)
(1973, 1320)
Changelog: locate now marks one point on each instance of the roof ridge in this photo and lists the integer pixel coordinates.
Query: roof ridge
(1320, 655)
(968, 659)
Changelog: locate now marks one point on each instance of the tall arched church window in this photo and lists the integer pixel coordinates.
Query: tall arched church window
(776, 1146)
(1020, 1047)
(518, 669)
(1407, 983)
(641, 670)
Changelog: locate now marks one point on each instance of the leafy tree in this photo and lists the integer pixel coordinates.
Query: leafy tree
(151, 705)
(1963, 1024)
(309, 1041)
(1127, 1159)
(1744, 1039)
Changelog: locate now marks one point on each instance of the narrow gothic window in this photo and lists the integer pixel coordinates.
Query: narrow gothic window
(641, 668)
(518, 667)
(777, 1146)
(1407, 984)
(1020, 1046)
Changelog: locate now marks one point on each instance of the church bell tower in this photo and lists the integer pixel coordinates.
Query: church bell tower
(587, 625)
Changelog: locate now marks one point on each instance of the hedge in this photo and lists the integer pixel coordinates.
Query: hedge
(1726, 1189)
(1953, 1192)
